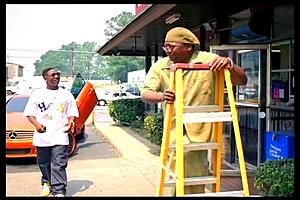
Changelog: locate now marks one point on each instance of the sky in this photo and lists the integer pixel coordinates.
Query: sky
(34, 29)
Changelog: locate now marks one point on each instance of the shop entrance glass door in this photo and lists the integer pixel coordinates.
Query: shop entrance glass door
(251, 100)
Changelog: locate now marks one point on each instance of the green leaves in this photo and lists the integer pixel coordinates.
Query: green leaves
(71, 59)
(153, 124)
(119, 66)
(115, 24)
(275, 178)
(126, 111)
(130, 112)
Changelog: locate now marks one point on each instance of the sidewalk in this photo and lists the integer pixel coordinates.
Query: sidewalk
(145, 155)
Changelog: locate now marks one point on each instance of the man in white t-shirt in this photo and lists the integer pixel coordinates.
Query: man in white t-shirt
(52, 110)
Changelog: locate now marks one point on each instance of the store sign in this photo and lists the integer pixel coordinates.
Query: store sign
(139, 8)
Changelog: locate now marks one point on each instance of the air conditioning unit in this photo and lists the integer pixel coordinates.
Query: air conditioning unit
(245, 29)
(257, 25)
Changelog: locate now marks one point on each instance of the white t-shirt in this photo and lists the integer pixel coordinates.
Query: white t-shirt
(52, 109)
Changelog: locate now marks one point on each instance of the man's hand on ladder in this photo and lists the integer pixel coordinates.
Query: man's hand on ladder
(168, 96)
(220, 62)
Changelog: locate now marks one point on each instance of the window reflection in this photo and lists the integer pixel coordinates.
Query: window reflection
(250, 63)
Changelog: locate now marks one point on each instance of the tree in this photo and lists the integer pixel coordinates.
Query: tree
(99, 69)
(52, 59)
(72, 59)
(119, 66)
(117, 23)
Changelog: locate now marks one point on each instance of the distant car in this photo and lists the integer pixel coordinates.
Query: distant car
(9, 94)
(11, 90)
(77, 85)
(131, 88)
(108, 97)
(19, 131)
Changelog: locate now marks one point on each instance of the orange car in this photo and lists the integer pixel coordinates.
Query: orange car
(19, 131)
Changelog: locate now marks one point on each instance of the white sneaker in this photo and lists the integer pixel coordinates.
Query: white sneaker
(46, 189)
(59, 195)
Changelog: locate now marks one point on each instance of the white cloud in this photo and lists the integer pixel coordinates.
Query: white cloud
(49, 26)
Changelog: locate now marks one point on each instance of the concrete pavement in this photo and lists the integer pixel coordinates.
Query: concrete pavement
(134, 173)
(142, 154)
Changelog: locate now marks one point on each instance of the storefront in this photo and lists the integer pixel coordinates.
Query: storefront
(259, 37)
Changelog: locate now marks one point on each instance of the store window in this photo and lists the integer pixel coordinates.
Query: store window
(282, 74)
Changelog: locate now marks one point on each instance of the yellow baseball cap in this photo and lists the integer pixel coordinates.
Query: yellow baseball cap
(181, 35)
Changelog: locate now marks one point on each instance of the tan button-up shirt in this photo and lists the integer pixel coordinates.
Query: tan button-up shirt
(199, 89)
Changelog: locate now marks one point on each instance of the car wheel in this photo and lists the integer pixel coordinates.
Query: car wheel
(72, 144)
(101, 103)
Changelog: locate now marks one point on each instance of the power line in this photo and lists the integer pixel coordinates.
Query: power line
(21, 57)
(53, 50)
(9, 56)
(74, 51)
(23, 50)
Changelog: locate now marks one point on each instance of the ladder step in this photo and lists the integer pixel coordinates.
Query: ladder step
(202, 180)
(235, 172)
(195, 146)
(207, 117)
(207, 108)
(239, 193)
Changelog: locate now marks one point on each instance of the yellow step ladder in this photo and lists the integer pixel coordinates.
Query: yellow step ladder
(198, 114)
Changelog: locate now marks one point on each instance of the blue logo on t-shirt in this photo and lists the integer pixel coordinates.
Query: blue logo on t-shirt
(42, 106)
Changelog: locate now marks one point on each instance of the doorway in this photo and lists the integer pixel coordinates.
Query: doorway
(251, 100)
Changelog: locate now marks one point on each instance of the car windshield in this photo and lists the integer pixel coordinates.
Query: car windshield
(16, 104)
(77, 85)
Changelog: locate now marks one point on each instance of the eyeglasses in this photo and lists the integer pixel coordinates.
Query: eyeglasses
(170, 47)
(55, 74)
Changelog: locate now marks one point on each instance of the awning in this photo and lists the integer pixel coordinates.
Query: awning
(149, 27)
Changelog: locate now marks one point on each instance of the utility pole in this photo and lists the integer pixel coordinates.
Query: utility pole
(7, 59)
(72, 58)
(72, 62)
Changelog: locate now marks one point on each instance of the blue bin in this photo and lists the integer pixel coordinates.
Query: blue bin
(279, 145)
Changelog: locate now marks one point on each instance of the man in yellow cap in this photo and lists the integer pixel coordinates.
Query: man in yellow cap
(181, 47)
